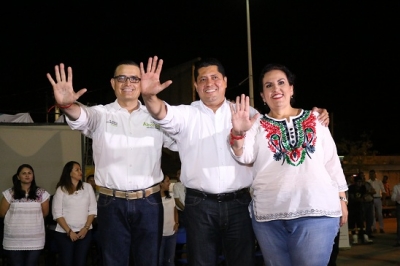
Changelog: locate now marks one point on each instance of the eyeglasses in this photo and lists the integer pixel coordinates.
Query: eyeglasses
(123, 78)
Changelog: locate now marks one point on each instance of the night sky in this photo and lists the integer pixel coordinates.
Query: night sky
(345, 55)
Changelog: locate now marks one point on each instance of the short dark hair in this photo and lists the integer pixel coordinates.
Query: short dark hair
(125, 62)
(269, 67)
(208, 62)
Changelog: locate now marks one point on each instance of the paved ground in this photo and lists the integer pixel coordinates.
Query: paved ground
(380, 253)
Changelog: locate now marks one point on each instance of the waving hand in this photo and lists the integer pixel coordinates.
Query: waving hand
(241, 120)
(150, 79)
(64, 93)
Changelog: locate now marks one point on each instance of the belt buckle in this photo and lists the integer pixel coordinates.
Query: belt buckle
(126, 195)
(220, 197)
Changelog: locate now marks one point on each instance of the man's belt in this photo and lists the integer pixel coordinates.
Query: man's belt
(130, 195)
(218, 197)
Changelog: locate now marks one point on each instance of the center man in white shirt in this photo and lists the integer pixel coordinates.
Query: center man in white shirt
(217, 194)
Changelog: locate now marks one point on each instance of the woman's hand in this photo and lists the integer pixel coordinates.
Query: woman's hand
(241, 121)
(176, 226)
(73, 236)
(345, 213)
(81, 234)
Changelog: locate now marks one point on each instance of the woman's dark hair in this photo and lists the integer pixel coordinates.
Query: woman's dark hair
(206, 63)
(290, 76)
(65, 179)
(167, 195)
(19, 193)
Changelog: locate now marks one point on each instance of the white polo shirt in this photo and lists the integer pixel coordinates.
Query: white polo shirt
(201, 134)
(127, 146)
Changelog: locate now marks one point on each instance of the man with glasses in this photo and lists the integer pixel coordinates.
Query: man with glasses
(217, 194)
(127, 148)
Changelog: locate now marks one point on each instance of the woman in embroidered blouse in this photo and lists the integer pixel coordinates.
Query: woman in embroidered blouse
(299, 187)
(24, 207)
(74, 208)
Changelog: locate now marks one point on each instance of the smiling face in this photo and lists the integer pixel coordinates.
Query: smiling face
(276, 90)
(25, 176)
(127, 93)
(211, 86)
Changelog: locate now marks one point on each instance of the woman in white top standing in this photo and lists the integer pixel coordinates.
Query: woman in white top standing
(24, 207)
(74, 208)
(171, 224)
(299, 186)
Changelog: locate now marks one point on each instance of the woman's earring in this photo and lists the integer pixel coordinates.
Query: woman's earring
(265, 103)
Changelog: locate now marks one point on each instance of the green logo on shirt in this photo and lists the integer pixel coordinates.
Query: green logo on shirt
(151, 125)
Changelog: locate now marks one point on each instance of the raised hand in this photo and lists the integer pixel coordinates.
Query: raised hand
(150, 79)
(241, 121)
(64, 93)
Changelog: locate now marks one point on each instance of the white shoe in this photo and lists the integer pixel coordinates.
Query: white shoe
(367, 240)
(355, 239)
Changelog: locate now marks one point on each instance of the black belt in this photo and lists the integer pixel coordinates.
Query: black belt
(220, 197)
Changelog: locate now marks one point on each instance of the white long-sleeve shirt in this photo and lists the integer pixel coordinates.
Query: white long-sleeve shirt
(201, 139)
(75, 208)
(127, 147)
(396, 194)
(296, 167)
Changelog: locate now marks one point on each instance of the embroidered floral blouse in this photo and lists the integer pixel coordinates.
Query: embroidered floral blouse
(297, 171)
(24, 223)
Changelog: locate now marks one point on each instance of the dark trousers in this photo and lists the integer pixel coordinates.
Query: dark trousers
(24, 257)
(214, 226)
(73, 253)
(356, 219)
(368, 209)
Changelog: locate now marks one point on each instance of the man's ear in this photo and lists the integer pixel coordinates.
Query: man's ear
(112, 81)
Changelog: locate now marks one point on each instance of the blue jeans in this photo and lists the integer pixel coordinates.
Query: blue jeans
(24, 257)
(125, 225)
(214, 226)
(167, 250)
(303, 241)
(73, 253)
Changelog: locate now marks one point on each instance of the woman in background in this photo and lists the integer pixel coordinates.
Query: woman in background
(74, 208)
(171, 224)
(24, 207)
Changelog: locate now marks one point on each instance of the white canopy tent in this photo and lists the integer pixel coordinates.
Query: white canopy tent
(18, 118)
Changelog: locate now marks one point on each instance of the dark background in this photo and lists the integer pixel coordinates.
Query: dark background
(345, 54)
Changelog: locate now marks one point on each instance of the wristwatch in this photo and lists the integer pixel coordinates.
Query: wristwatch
(344, 199)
